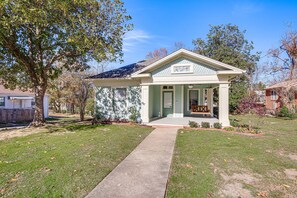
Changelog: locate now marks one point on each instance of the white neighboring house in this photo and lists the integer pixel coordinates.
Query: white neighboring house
(17, 99)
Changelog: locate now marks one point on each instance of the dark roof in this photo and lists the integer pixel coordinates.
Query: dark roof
(125, 71)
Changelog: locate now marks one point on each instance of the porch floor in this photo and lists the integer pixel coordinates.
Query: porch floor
(169, 121)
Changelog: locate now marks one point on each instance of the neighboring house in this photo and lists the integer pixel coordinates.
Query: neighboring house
(275, 92)
(17, 99)
(260, 100)
(180, 84)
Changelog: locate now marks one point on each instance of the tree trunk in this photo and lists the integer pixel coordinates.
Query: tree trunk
(39, 109)
(82, 113)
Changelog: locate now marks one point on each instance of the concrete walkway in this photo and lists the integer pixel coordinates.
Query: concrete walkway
(144, 172)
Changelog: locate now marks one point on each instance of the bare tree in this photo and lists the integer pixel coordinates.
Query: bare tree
(178, 45)
(284, 63)
(158, 53)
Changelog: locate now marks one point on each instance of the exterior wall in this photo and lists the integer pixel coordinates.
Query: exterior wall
(198, 69)
(107, 109)
(270, 103)
(156, 101)
(178, 101)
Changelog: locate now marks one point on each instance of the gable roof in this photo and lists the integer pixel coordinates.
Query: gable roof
(284, 84)
(135, 69)
(125, 71)
(195, 56)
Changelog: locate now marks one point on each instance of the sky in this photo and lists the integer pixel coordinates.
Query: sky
(161, 23)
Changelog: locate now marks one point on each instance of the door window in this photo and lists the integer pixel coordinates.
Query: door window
(167, 99)
(193, 98)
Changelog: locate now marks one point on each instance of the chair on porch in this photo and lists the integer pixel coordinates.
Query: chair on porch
(200, 110)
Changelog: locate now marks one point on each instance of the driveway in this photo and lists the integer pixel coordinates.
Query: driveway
(144, 172)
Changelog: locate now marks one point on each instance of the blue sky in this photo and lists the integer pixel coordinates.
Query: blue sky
(161, 23)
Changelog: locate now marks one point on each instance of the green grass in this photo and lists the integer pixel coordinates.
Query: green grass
(202, 158)
(68, 160)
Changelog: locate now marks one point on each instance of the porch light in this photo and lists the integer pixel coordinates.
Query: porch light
(191, 86)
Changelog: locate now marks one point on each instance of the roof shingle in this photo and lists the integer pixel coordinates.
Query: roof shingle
(125, 71)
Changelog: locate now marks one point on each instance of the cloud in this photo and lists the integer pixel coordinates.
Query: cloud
(246, 9)
(135, 38)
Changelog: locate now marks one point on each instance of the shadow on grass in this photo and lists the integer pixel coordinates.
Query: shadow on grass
(82, 127)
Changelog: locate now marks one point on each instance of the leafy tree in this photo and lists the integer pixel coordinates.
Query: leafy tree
(226, 43)
(40, 38)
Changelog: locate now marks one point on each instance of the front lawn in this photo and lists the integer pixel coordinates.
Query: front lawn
(67, 160)
(217, 164)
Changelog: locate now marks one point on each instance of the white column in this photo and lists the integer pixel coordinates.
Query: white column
(210, 101)
(145, 104)
(224, 104)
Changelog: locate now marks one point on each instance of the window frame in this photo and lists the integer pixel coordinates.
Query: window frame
(273, 95)
(119, 99)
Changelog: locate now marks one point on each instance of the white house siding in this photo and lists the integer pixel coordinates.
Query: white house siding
(108, 107)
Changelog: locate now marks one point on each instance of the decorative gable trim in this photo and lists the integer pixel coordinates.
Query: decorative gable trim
(182, 68)
(193, 55)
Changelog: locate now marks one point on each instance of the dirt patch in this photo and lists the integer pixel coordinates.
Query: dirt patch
(233, 185)
(7, 134)
(292, 156)
(243, 177)
(291, 173)
(234, 189)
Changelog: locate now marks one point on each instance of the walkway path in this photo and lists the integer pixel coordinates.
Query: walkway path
(144, 172)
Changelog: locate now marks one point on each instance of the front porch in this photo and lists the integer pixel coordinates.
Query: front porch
(177, 104)
(182, 122)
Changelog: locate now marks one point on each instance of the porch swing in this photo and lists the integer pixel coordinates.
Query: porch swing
(200, 110)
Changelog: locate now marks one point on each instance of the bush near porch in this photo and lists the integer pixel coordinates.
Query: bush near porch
(219, 164)
(66, 160)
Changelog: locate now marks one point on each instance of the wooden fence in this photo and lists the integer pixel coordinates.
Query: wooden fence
(16, 115)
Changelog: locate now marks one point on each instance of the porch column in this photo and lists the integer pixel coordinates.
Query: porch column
(210, 101)
(145, 104)
(224, 104)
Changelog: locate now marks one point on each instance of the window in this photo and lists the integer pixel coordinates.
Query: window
(193, 98)
(33, 103)
(182, 68)
(119, 94)
(2, 101)
(168, 87)
(273, 95)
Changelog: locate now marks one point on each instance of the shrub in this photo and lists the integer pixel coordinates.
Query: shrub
(234, 123)
(217, 125)
(193, 124)
(205, 124)
(284, 112)
(134, 114)
(229, 128)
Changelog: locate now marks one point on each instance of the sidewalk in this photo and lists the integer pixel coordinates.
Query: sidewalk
(144, 172)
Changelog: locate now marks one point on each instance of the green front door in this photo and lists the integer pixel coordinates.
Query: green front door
(167, 103)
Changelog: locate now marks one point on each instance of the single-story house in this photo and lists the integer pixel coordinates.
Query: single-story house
(13, 100)
(275, 93)
(176, 86)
